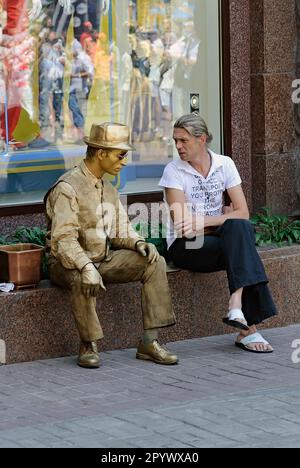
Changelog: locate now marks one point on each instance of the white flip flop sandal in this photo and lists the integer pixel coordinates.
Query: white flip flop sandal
(232, 320)
(251, 339)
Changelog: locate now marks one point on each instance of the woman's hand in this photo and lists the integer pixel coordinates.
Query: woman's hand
(185, 228)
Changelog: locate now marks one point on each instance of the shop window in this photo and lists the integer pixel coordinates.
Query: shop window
(140, 62)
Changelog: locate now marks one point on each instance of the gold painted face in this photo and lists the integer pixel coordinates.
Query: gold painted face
(113, 161)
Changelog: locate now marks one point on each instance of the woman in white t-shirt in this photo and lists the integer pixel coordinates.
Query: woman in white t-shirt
(205, 236)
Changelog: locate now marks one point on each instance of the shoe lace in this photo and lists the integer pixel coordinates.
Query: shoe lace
(93, 347)
(90, 347)
(161, 346)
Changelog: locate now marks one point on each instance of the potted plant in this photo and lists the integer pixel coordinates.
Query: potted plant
(21, 257)
(21, 264)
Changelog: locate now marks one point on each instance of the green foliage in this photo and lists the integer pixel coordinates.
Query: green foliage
(4, 240)
(31, 236)
(275, 229)
(25, 235)
(154, 236)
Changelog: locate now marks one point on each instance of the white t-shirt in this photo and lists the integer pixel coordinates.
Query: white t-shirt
(204, 195)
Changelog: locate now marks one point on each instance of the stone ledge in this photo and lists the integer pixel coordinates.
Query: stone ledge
(37, 324)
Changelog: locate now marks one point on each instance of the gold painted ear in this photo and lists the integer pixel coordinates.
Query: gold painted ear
(101, 154)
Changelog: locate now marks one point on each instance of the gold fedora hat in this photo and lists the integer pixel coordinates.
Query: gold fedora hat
(109, 136)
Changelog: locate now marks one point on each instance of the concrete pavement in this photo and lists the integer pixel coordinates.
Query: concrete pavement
(219, 396)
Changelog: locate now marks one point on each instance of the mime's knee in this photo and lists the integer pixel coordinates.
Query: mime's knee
(158, 267)
(161, 264)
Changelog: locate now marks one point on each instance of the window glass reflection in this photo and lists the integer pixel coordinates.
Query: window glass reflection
(76, 62)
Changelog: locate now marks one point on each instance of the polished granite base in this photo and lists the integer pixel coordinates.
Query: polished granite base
(37, 324)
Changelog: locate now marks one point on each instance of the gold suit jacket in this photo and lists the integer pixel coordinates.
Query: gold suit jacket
(86, 218)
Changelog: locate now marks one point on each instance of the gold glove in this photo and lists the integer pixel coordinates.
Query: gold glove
(91, 281)
(148, 250)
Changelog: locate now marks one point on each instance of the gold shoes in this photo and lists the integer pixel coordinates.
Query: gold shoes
(156, 353)
(89, 357)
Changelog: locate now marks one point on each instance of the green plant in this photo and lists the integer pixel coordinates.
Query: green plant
(275, 229)
(34, 235)
(25, 235)
(4, 240)
(156, 237)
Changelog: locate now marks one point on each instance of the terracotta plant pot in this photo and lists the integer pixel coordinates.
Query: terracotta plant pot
(21, 264)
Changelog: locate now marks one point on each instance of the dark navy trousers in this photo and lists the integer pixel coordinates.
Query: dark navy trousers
(231, 248)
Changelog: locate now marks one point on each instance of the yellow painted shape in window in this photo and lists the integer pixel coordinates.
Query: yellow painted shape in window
(26, 130)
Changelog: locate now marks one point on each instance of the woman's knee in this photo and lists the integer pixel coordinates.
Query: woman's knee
(238, 224)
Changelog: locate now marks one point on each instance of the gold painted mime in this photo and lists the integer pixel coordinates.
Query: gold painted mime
(92, 243)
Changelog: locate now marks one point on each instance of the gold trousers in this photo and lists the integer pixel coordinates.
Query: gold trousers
(123, 266)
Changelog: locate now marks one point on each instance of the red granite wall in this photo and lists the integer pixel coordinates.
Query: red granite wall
(241, 90)
(275, 162)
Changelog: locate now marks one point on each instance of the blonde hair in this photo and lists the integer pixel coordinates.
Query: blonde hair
(195, 125)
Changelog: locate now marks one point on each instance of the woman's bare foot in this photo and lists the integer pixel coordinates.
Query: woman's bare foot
(259, 347)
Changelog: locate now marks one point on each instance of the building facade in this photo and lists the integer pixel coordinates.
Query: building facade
(145, 63)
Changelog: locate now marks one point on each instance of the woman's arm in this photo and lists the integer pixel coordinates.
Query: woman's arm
(187, 224)
(240, 209)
